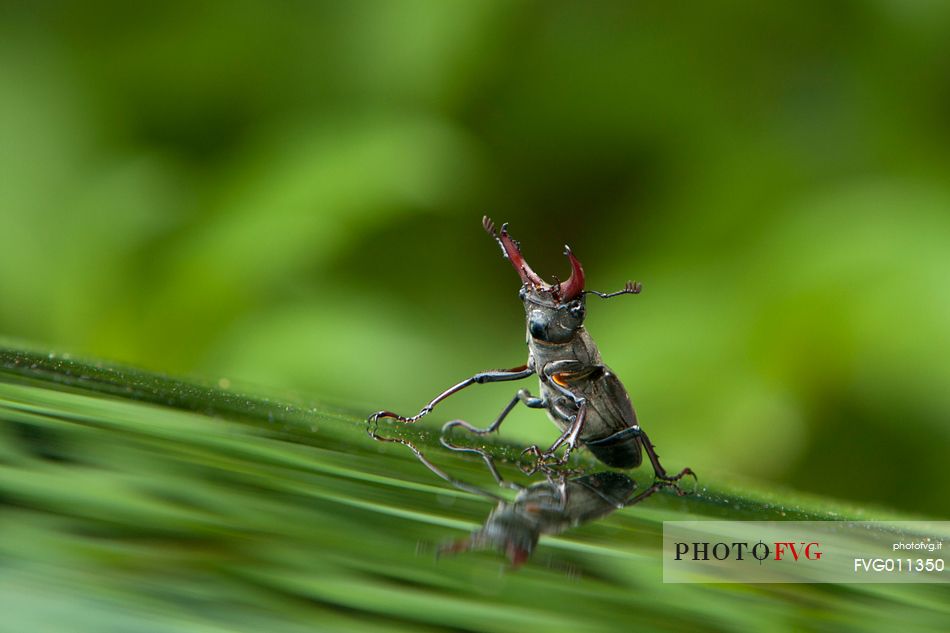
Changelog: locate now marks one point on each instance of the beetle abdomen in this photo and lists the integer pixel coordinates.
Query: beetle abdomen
(620, 450)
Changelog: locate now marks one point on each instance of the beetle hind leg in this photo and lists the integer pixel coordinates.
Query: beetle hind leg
(658, 470)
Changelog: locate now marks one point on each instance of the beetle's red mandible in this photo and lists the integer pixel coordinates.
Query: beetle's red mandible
(566, 291)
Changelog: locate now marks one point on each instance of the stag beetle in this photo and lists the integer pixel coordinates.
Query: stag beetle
(580, 394)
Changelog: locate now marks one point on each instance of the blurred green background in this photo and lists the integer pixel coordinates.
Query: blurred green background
(290, 194)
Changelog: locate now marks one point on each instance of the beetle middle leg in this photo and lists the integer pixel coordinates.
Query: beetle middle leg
(523, 395)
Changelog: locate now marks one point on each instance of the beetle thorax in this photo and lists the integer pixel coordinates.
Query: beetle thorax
(580, 348)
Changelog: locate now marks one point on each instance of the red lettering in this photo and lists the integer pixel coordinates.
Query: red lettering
(780, 548)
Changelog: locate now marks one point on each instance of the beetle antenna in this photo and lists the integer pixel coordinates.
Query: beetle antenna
(631, 288)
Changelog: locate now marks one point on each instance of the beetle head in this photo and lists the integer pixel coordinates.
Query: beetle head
(506, 530)
(555, 312)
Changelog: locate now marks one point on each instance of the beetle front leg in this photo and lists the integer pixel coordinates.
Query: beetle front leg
(571, 434)
(549, 374)
(497, 375)
(569, 437)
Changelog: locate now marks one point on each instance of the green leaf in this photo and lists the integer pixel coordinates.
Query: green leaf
(131, 500)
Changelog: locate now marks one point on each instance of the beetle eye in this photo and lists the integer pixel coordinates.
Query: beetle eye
(577, 310)
(522, 293)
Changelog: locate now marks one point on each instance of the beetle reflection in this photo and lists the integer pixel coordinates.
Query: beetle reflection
(548, 507)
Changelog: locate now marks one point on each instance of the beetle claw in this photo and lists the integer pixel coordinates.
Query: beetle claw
(547, 461)
(543, 460)
(532, 449)
(671, 480)
(537, 464)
